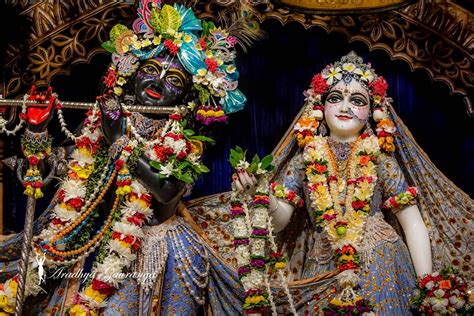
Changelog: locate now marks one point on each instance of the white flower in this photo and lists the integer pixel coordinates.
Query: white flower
(63, 213)
(349, 67)
(438, 302)
(124, 252)
(258, 247)
(255, 279)
(457, 302)
(81, 158)
(242, 255)
(243, 165)
(138, 188)
(73, 189)
(240, 228)
(167, 170)
(331, 74)
(260, 170)
(260, 218)
(366, 75)
(127, 229)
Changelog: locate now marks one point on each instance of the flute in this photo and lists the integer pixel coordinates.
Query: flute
(87, 105)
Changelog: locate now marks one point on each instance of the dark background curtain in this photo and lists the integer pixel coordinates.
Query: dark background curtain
(274, 74)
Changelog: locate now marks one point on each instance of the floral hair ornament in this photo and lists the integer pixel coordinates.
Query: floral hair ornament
(207, 52)
(350, 67)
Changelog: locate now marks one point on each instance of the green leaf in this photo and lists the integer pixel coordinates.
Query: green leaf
(203, 169)
(203, 138)
(185, 177)
(116, 31)
(266, 161)
(204, 94)
(188, 132)
(165, 19)
(183, 165)
(155, 164)
(109, 46)
(207, 26)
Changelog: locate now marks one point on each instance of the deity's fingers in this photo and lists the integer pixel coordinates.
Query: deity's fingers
(237, 183)
(248, 180)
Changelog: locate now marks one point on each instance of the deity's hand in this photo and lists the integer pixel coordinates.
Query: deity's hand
(244, 182)
(38, 117)
(112, 118)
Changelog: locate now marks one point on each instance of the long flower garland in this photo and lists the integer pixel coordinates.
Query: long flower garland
(69, 201)
(345, 229)
(253, 230)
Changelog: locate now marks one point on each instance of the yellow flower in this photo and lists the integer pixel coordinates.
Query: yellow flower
(121, 81)
(280, 265)
(5, 305)
(137, 45)
(77, 310)
(230, 69)
(123, 190)
(146, 42)
(209, 53)
(28, 191)
(156, 40)
(124, 244)
(95, 295)
(187, 38)
(345, 257)
(254, 299)
(82, 172)
(38, 193)
(118, 90)
(202, 72)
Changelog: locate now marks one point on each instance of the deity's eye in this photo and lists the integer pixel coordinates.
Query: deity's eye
(334, 98)
(358, 101)
(175, 81)
(150, 70)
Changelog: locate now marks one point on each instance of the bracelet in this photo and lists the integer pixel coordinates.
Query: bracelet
(289, 196)
(117, 147)
(401, 200)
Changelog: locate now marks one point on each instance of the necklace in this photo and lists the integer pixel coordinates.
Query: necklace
(340, 154)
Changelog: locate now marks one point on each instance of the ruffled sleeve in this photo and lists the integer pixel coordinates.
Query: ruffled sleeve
(397, 194)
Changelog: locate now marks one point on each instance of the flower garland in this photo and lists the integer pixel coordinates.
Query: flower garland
(121, 248)
(177, 151)
(345, 229)
(69, 201)
(253, 230)
(35, 147)
(441, 293)
(280, 191)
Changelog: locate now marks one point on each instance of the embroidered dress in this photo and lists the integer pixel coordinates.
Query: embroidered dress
(387, 276)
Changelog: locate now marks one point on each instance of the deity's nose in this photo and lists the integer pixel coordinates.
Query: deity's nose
(344, 107)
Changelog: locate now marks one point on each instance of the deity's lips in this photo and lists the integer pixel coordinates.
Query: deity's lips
(153, 93)
(344, 117)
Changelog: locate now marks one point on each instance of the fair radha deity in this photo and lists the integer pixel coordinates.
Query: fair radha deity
(118, 208)
(357, 168)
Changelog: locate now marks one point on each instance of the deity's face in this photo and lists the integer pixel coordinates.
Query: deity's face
(160, 82)
(347, 109)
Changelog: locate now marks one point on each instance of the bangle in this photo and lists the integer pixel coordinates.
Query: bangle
(290, 196)
(398, 202)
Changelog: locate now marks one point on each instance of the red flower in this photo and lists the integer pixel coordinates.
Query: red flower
(320, 168)
(291, 195)
(319, 84)
(75, 202)
(358, 204)
(175, 117)
(33, 160)
(162, 153)
(61, 195)
(412, 190)
(102, 287)
(211, 64)
(379, 87)
(136, 245)
(347, 266)
(57, 222)
(118, 164)
(110, 78)
(181, 155)
(172, 47)
(202, 43)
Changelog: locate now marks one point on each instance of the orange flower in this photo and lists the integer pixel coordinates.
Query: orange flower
(445, 284)
(364, 160)
(320, 168)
